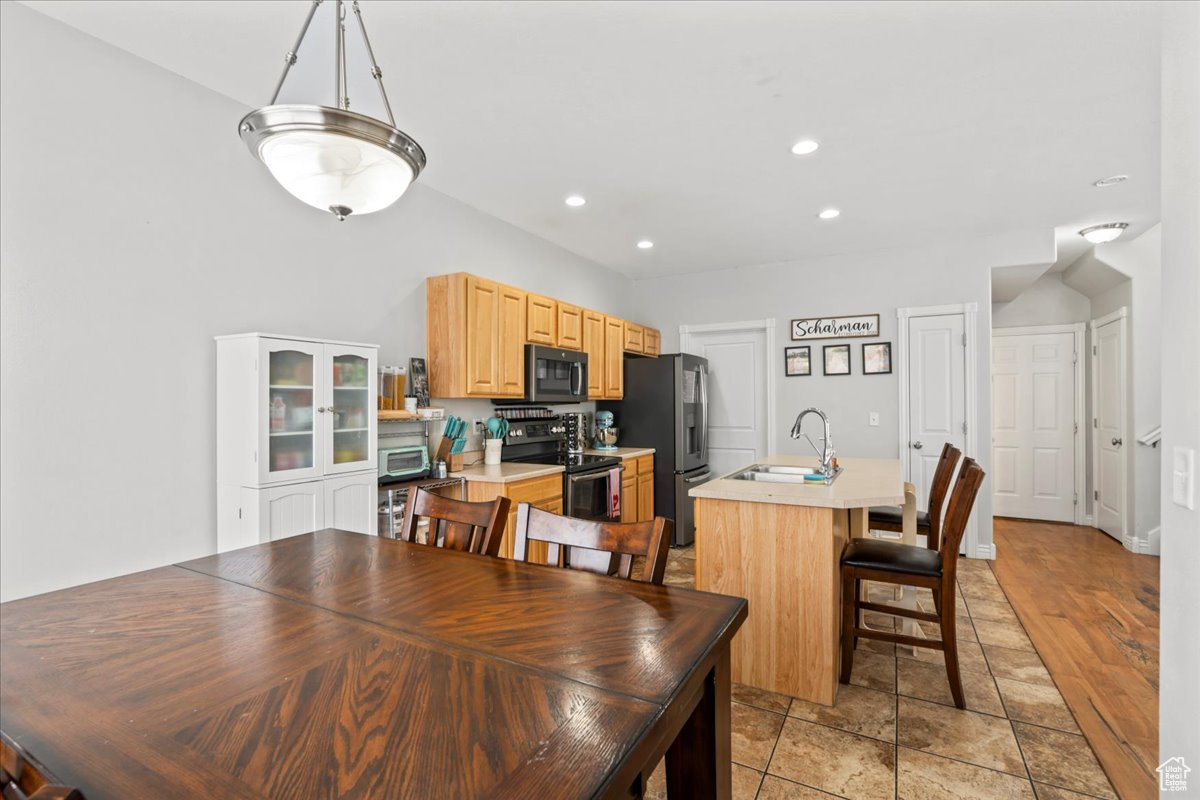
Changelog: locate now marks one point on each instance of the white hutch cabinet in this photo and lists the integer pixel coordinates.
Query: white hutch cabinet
(296, 437)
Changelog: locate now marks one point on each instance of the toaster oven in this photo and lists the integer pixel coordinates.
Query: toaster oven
(403, 463)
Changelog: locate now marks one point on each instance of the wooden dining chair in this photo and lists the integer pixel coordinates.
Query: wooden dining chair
(929, 523)
(873, 560)
(23, 778)
(594, 546)
(460, 525)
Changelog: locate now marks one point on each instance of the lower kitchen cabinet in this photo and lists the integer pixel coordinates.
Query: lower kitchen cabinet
(637, 489)
(544, 493)
(348, 502)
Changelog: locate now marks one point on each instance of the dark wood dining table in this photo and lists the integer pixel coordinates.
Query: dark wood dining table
(336, 664)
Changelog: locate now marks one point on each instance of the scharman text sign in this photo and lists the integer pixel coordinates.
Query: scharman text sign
(835, 327)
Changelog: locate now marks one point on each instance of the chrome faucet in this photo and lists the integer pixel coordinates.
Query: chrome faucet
(827, 452)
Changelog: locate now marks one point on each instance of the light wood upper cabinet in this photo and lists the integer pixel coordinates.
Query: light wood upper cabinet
(570, 326)
(614, 364)
(633, 338)
(510, 374)
(482, 343)
(593, 345)
(540, 322)
(475, 336)
(652, 342)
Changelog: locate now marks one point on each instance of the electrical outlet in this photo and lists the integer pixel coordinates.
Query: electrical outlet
(477, 427)
(873, 419)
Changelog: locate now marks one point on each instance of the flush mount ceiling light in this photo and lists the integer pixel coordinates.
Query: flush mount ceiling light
(830, 213)
(575, 201)
(645, 244)
(1099, 234)
(1111, 180)
(332, 158)
(804, 147)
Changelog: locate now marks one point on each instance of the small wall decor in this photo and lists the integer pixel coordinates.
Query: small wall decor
(837, 359)
(863, 325)
(877, 358)
(797, 361)
(418, 382)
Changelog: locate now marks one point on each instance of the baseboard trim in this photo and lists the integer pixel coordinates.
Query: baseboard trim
(985, 551)
(1149, 544)
(1088, 521)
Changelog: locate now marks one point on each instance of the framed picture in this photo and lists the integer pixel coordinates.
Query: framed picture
(797, 361)
(877, 358)
(837, 359)
(863, 325)
(418, 382)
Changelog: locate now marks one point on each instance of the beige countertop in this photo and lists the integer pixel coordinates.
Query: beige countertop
(863, 482)
(506, 472)
(622, 452)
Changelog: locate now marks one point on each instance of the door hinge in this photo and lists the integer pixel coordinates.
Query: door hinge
(1076, 427)
(964, 340)
(1074, 358)
(1095, 422)
(1077, 498)
(1093, 349)
(1096, 495)
(239, 513)
(964, 428)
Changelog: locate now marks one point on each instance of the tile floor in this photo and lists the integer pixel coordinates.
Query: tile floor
(894, 731)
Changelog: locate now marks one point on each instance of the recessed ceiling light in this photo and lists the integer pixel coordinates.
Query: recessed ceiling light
(1111, 180)
(830, 213)
(1099, 234)
(804, 147)
(645, 244)
(575, 201)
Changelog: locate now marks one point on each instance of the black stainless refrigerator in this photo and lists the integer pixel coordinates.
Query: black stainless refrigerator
(666, 407)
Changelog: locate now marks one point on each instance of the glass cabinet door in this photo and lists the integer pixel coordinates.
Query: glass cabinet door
(351, 409)
(291, 410)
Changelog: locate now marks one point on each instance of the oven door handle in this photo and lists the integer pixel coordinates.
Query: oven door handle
(592, 476)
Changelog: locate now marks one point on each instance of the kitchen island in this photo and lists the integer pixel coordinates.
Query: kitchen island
(778, 545)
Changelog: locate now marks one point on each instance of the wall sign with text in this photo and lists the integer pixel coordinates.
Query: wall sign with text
(835, 327)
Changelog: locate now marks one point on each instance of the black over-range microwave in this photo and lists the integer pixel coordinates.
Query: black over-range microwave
(554, 375)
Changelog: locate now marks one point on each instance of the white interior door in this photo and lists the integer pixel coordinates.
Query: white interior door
(937, 402)
(1108, 426)
(737, 389)
(1034, 426)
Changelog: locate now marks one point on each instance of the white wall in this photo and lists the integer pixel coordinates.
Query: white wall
(136, 227)
(1048, 301)
(864, 283)
(1179, 699)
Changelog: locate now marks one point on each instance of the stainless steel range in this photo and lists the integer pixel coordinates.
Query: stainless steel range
(591, 484)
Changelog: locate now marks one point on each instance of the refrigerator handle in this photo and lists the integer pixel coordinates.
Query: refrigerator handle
(703, 413)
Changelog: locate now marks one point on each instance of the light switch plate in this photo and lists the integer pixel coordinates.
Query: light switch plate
(1183, 478)
(873, 419)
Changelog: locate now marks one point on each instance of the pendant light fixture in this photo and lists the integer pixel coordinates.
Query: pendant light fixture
(332, 158)
(1099, 234)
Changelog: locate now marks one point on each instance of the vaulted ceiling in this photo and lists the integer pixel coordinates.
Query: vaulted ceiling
(675, 119)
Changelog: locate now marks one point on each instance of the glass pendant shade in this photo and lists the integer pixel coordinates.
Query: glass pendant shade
(334, 160)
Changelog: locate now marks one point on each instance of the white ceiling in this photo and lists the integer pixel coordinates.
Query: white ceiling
(675, 119)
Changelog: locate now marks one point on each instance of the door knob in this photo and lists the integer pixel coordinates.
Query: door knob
(1116, 442)
(917, 445)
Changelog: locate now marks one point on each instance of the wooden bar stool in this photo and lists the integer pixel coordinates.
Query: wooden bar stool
(593, 546)
(472, 527)
(929, 522)
(870, 559)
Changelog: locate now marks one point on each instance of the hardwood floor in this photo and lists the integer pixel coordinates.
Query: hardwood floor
(1091, 609)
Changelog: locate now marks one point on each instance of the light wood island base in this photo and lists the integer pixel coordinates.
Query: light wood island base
(784, 560)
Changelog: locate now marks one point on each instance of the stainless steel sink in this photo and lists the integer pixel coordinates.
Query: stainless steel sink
(779, 473)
